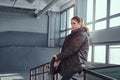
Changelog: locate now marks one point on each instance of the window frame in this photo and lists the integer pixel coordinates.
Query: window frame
(66, 27)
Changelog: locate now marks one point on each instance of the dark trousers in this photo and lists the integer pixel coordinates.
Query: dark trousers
(68, 77)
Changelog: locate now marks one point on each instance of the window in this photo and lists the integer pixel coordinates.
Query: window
(114, 54)
(114, 7)
(68, 32)
(100, 25)
(101, 9)
(89, 10)
(90, 27)
(60, 49)
(100, 54)
(90, 54)
(97, 13)
(63, 21)
(62, 34)
(70, 15)
(115, 22)
(66, 22)
(100, 12)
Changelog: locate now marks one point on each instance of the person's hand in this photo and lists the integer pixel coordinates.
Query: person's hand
(57, 64)
(54, 56)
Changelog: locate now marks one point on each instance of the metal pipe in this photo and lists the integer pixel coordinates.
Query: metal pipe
(46, 8)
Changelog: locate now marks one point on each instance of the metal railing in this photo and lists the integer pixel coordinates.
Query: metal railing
(85, 71)
(96, 74)
(37, 72)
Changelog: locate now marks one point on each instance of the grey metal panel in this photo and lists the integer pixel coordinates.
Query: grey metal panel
(80, 8)
(22, 22)
(23, 38)
(21, 59)
(53, 29)
(103, 36)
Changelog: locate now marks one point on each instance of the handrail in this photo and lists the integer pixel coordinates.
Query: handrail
(85, 71)
(112, 66)
(96, 74)
(44, 72)
(37, 73)
(39, 66)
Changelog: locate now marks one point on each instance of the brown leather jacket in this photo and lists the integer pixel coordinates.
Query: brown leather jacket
(74, 52)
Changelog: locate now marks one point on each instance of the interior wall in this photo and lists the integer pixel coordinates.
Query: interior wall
(10, 21)
(24, 41)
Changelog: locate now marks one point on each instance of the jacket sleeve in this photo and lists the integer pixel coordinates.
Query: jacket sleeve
(74, 46)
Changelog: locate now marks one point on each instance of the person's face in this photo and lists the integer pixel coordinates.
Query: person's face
(75, 25)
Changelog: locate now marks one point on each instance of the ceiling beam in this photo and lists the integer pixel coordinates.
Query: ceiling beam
(46, 8)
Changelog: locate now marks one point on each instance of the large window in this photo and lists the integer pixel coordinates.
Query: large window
(115, 22)
(101, 9)
(63, 21)
(90, 15)
(90, 54)
(114, 7)
(62, 34)
(103, 14)
(90, 27)
(100, 54)
(100, 12)
(114, 10)
(66, 22)
(70, 15)
(114, 54)
(100, 25)
(89, 11)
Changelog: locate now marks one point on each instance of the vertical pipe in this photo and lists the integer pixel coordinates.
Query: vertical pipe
(43, 73)
(30, 74)
(35, 74)
(85, 75)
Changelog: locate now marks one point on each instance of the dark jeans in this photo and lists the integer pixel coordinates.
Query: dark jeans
(68, 77)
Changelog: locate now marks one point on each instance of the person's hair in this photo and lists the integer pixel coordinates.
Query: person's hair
(76, 18)
(82, 22)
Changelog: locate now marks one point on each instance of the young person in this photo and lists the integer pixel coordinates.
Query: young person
(74, 50)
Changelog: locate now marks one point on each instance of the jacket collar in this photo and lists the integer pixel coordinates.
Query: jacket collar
(76, 31)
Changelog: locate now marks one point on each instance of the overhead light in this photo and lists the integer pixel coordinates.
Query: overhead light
(36, 11)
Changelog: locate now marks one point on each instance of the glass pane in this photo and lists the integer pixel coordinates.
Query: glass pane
(114, 46)
(101, 9)
(90, 54)
(62, 34)
(100, 54)
(90, 27)
(114, 4)
(63, 21)
(60, 49)
(114, 54)
(115, 21)
(68, 32)
(89, 10)
(70, 15)
(100, 25)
